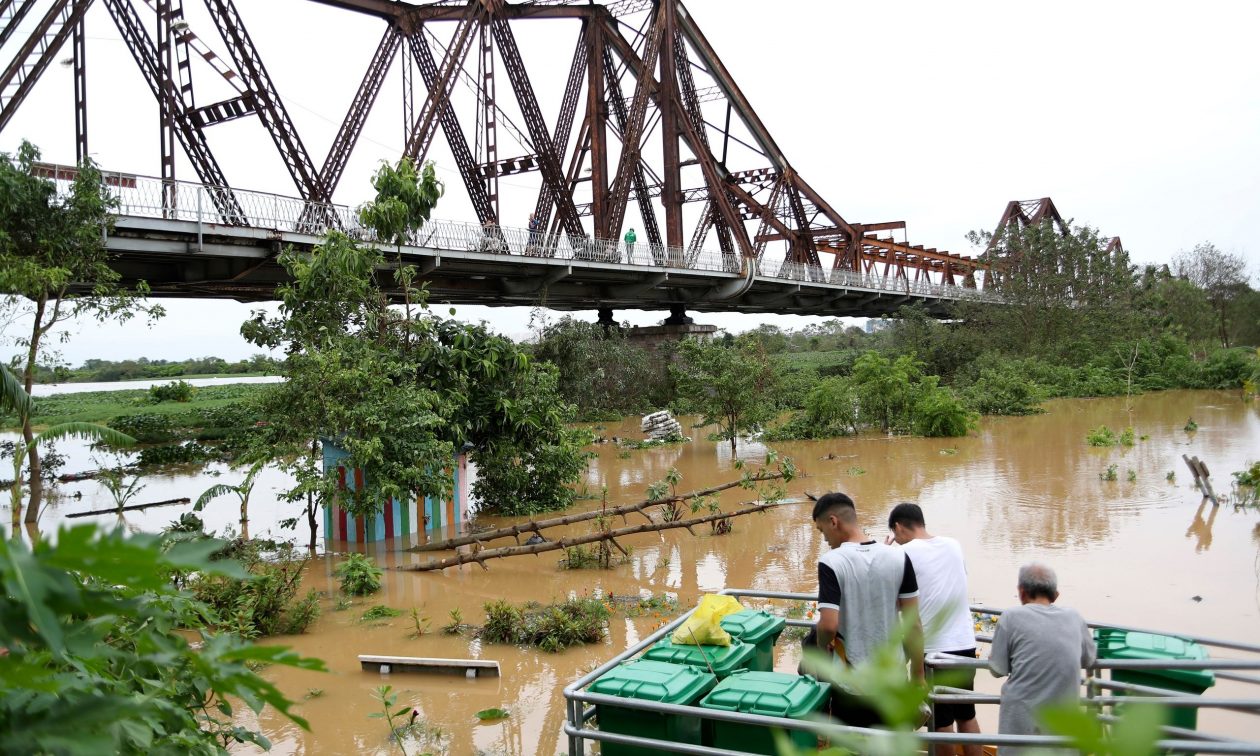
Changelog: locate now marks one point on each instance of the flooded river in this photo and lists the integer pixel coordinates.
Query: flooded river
(1137, 552)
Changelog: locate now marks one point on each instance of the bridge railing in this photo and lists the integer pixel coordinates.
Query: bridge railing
(149, 197)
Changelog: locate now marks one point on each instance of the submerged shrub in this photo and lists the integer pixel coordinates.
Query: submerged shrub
(1003, 391)
(174, 454)
(939, 413)
(359, 575)
(1249, 477)
(266, 602)
(175, 391)
(1101, 436)
(145, 428)
(552, 628)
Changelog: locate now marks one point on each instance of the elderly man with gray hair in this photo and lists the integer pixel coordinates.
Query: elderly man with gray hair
(1042, 647)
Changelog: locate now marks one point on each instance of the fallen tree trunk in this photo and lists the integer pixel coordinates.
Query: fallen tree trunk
(480, 556)
(536, 526)
(76, 477)
(130, 507)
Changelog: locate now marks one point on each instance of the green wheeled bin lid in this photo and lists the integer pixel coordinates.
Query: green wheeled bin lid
(753, 625)
(721, 660)
(1114, 643)
(659, 681)
(772, 694)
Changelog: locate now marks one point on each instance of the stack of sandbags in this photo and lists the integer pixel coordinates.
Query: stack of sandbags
(660, 425)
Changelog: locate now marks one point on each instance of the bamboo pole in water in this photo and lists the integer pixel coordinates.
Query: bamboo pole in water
(480, 556)
(129, 507)
(536, 526)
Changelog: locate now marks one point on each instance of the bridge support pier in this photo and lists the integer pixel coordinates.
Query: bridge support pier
(678, 317)
(606, 320)
(657, 339)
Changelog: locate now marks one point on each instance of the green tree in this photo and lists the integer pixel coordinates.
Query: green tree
(1063, 293)
(94, 661)
(599, 371)
(1222, 277)
(400, 392)
(886, 390)
(831, 408)
(53, 255)
(731, 386)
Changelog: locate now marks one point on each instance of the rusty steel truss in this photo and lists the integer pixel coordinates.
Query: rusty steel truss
(652, 131)
(1020, 214)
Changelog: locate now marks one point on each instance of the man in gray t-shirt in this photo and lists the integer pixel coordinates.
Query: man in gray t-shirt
(1043, 648)
(863, 587)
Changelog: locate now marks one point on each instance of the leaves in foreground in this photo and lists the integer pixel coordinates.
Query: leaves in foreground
(95, 664)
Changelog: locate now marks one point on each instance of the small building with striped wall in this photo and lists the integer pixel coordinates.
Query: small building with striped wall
(409, 522)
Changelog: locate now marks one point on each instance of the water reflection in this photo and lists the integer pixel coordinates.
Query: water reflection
(1017, 489)
(1201, 530)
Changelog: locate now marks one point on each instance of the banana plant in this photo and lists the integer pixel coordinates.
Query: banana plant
(241, 490)
(14, 397)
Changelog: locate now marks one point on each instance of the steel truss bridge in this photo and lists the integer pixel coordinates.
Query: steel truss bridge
(650, 119)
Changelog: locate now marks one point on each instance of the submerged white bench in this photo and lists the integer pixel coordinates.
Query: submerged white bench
(470, 668)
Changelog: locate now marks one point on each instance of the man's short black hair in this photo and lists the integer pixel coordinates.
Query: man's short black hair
(830, 501)
(906, 515)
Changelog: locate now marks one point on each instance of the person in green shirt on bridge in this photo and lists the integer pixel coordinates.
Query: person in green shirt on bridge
(630, 240)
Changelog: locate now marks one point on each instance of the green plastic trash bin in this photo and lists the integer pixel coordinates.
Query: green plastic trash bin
(648, 680)
(772, 694)
(720, 660)
(1124, 644)
(761, 629)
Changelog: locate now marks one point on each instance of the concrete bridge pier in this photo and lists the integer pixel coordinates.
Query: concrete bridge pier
(675, 328)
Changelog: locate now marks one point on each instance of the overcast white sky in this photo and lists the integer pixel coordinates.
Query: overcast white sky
(1140, 119)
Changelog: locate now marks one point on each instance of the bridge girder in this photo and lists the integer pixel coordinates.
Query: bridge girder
(651, 99)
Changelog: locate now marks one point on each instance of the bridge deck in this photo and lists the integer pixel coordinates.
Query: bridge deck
(462, 264)
(174, 238)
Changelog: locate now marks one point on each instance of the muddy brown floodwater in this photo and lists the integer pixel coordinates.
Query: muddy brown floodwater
(1139, 552)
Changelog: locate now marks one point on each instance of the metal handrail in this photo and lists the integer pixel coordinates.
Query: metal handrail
(152, 197)
(1176, 739)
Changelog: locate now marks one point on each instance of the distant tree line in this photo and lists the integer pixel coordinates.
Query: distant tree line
(1077, 320)
(108, 371)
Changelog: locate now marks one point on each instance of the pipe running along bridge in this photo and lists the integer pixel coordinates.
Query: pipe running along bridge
(651, 132)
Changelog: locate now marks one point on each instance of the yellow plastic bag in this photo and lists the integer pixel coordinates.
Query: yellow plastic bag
(704, 627)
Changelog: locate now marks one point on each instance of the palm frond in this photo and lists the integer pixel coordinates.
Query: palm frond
(254, 469)
(13, 395)
(213, 492)
(89, 431)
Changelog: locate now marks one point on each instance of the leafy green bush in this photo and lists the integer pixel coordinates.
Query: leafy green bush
(1249, 477)
(359, 575)
(1227, 368)
(832, 407)
(1126, 437)
(265, 602)
(553, 628)
(796, 428)
(1002, 390)
(175, 391)
(939, 413)
(380, 612)
(95, 630)
(886, 390)
(145, 428)
(174, 454)
(1101, 436)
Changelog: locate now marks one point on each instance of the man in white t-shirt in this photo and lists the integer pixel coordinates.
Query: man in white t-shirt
(947, 625)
